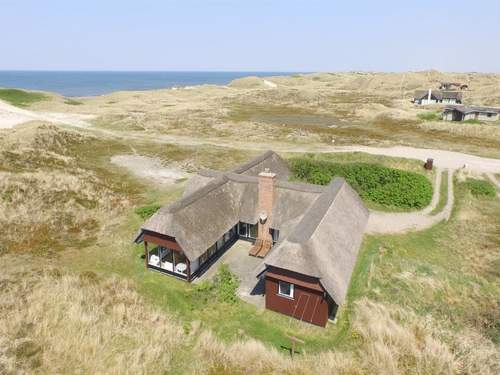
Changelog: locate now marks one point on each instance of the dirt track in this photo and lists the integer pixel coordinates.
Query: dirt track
(387, 222)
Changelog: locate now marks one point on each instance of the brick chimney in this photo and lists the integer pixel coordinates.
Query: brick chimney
(265, 204)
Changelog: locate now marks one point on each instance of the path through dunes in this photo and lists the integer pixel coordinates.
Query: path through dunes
(388, 222)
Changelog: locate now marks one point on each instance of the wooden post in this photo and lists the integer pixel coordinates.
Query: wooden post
(146, 253)
(294, 340)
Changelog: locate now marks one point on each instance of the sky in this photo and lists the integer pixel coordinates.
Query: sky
(251, 35)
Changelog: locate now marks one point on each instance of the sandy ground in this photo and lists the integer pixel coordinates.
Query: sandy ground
(386, 222)
(149, 168)
(11, 116)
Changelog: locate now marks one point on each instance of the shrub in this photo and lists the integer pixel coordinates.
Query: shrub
(480, 187)
(374, 183)
(429, 116)
(222, 288)
(146, 212)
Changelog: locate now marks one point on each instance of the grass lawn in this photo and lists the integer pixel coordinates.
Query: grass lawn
(21, 98)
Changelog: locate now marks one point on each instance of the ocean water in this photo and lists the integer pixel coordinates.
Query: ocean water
(97, 83)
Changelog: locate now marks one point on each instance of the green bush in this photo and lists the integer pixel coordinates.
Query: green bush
(480, 187)
(374, 183)
(146, 212)
(222, 288)
(21, 98)
(430, 116)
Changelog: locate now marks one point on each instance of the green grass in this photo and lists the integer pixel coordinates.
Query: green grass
(480, 187)
(474, 122)
(21, 98)
(443, 194)
(72, 102)
(430, 116)
(145, 212)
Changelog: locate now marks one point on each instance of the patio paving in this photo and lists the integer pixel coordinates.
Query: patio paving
(243, 266)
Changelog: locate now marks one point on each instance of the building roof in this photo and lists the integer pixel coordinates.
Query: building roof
(321, 227)
(438, 94)
(471, 109)
(326, 241)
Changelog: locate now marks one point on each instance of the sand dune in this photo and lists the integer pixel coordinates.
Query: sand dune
(11, 116)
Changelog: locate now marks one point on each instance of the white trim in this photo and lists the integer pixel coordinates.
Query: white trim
(280, 293)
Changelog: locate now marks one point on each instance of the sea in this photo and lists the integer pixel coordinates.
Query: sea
(92, 83)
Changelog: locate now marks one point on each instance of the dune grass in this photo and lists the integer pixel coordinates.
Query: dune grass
(21, 98)
(428, 298)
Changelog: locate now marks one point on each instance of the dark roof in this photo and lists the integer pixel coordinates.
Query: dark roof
(438, 94)
(471, 109)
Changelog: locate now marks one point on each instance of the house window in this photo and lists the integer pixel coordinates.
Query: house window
(285, 289)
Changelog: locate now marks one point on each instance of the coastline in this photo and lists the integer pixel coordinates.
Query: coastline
(80, 84)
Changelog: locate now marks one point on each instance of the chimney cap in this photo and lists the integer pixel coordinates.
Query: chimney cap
(267, 173)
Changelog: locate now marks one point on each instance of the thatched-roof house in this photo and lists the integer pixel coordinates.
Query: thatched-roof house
(464, 113)
(424, 97)
(307, 235)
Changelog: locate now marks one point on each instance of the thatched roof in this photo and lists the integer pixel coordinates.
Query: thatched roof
(472, 109)
(321, 227)
(438, 94)
(326, 241)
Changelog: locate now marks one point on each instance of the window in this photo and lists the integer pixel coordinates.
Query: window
(212, 250)
(242, 229)
(253, 231)
(285, 289)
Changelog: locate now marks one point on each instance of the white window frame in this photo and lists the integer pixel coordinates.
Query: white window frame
(280, 293)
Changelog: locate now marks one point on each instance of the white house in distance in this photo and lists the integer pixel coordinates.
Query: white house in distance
(464, 113)
(424, 97)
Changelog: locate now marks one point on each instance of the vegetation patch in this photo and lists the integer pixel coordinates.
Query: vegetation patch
(384, 186)
(147, 211)
(480, 187)
(430, 116)
(21, 98)
(72, 102)
(222, 288)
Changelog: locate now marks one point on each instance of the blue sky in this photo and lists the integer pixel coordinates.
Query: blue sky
(252, 35)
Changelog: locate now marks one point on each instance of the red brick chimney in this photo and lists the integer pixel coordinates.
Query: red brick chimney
(265, 205)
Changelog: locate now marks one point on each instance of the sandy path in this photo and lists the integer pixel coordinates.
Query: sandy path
(442, 158)
(390, 223)
(149, 168)
(11, 116)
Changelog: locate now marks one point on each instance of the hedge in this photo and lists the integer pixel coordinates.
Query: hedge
(374, 183)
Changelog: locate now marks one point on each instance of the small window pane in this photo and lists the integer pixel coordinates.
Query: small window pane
(285, 289)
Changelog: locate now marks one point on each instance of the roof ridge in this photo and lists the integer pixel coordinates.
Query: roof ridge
(316, 213)
(197, 194)
(249, 164)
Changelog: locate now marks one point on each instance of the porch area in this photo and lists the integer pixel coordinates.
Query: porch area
(243, 265)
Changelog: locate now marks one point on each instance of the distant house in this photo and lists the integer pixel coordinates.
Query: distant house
(308, 236)
(453, 86)
(464, 113)
(424, 97)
